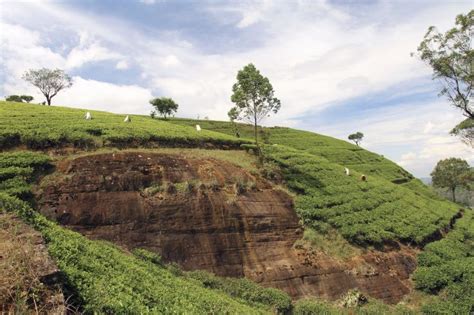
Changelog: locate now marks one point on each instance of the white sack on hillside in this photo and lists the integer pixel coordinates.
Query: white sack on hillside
(127, 119)
(198, 128)
(88, 116)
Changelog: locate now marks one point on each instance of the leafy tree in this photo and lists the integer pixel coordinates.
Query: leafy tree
(164, 105)
(233, 116)
(465, 131)
(253, 96)
(452, 173)
(50, 82)
(27, 98)
(451, 56)
(356, 137)
(14, 98)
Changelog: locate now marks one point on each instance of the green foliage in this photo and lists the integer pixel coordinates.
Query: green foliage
(244, 289)
(165, 106)
(27, 98)
(465, 131)
(14, 98)
(447, 266)
(364, 212)
(49, 82)
(451, 57)
(40, 127)
(313, 306)
(253, 96)
(356, 137)
(452, 173)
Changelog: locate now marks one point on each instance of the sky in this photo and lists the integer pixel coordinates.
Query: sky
(337, 66)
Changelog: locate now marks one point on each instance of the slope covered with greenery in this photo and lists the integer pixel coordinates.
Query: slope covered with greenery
(39, 127)
(447, 266)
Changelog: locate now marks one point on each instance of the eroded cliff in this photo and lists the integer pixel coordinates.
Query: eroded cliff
(206, 213)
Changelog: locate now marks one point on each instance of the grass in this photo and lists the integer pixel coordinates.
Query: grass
(329, 242)
(39, 127)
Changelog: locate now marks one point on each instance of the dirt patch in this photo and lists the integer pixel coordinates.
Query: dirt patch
(25, 271)
(205, 213)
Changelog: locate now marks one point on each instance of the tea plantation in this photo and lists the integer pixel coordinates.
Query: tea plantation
(40, 127)
(390, 206)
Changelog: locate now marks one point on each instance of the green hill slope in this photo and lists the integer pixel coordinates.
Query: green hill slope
(40, 127)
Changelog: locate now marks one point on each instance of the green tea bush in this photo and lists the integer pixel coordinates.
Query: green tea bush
(447, 266)
(245, 289)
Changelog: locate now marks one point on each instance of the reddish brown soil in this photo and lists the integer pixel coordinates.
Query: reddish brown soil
(211, 226)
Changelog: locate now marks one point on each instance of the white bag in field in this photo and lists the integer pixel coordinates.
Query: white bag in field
(88, 116)
(198, 128)
(127, 119)
(346, 170)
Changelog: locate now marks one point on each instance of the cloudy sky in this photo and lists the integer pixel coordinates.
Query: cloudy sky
(338, 66)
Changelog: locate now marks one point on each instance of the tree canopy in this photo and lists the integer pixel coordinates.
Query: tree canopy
(253, 96)
(165, 106)
(19, 98)
(452, 173)
(451, 57)
(356, 137)
(49, 82)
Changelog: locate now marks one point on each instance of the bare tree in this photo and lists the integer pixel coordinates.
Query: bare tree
(50, 82)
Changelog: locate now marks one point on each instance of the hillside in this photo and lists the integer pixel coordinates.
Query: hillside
(165, 193)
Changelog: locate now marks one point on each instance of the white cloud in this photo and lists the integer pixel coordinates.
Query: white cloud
(98, 95)
(88, 50)
(122, 65)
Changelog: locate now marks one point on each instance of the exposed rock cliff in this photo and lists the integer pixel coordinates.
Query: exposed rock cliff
(209, 214)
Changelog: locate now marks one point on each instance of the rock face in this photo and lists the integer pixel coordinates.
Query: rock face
(209, 214)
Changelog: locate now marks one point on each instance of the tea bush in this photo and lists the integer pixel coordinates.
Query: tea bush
(447, 266)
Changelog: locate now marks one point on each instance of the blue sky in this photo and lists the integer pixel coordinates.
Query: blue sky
(337, 66)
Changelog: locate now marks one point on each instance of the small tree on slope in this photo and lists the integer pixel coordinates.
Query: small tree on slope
(164, 105)
(356, 137)
(253, 96)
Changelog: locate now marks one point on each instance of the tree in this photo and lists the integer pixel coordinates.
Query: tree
(451, 57)
(233, 116)
(14, 98)
(27, 98)
(253, 96)
(356, 137)
(465, 131)
(452, 173)
(164, 105)
(50, 82)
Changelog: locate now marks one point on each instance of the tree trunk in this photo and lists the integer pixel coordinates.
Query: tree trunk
(255, 130)
(48, 99)
(453, 190)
